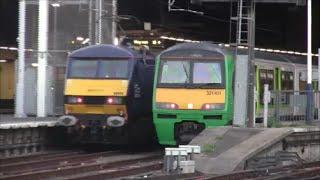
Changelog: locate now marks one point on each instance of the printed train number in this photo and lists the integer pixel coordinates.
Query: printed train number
(210, 93)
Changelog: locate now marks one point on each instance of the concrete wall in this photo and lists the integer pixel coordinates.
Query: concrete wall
(296, 148)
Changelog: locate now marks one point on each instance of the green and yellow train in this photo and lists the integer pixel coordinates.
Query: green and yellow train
(192, 91)
(193, 87)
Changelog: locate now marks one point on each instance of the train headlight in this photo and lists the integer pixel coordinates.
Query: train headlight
(75, 100)
(163, 105)
(210, 106)
(114, 100)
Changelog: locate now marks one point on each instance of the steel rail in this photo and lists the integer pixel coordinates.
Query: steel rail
(42, 155)
(68, 171)
(29, 165)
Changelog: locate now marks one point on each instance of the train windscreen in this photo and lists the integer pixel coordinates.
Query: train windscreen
(191, 73)
(102, 69)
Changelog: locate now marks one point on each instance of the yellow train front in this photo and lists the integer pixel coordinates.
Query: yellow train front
(108, 95)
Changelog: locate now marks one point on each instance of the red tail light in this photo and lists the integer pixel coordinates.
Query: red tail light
(211, 106)
(163, 105)
(75, 100)
(79, 100)
(114, 100)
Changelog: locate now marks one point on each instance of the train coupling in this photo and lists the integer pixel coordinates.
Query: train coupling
(115, 121)
(67, 120)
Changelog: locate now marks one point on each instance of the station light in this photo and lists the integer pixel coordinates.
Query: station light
(116, 41)
(13, 48)
(154, 42)
(55, 5)
(85, 41)
(79, 38)
(138, 42)
(3, 61)
(34, 64)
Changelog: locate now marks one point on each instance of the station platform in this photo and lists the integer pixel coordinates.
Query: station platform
(226, 149)
(8, 121)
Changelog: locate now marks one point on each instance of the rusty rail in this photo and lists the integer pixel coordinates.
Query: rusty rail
(80, 168)
(47, 155)
(50, 162)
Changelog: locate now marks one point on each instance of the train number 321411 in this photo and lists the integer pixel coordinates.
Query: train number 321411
(210, 93)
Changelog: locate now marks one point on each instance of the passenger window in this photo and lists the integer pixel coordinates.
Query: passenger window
(287, 80)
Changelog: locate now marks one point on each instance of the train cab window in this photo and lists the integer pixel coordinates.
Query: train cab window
(191, 74)
(109, 69)
(207, 72)
(175, 72)
(83, 68)
(113, 69)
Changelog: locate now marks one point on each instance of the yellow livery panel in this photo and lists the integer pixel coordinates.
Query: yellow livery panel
(94, 109)
(96, 87)
(190, 98)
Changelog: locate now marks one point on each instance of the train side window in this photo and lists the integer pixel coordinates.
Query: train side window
(287, 80)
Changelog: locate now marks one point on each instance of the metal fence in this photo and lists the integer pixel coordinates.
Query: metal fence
(290, 108)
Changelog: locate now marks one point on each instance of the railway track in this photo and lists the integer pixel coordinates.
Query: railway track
(302, 171)
(79, 165)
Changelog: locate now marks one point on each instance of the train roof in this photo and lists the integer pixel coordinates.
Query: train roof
(195, 46)
(279, 57)
(105, 51)
(268, 56)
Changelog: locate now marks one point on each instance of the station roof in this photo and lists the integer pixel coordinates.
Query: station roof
(298, 2)
(269, 56)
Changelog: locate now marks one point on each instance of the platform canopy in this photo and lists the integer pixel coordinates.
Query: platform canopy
(297, 2)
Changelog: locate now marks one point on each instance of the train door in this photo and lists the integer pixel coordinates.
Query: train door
(287, 86)
(266, 76)
(263, 76)
(302, 80)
